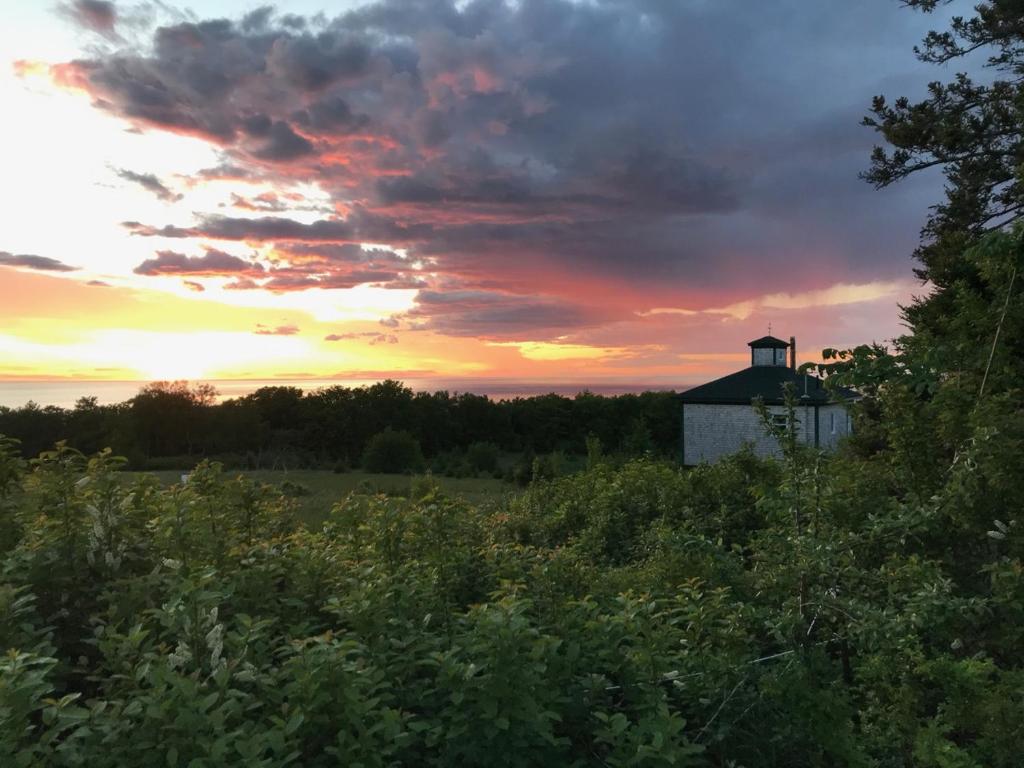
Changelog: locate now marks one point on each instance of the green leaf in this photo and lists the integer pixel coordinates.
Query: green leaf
(294, 722)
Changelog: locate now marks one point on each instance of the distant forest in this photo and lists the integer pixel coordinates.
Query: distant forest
(172, 424)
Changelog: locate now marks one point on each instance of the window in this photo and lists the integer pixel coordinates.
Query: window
(832, 422)
(780, 420)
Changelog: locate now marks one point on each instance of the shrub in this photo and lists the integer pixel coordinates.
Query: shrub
(392, 452)
(522, 472)
(548, 467)
(424, 486)
(294, 489)
(482, 457)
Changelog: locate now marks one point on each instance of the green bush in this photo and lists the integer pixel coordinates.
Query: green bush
(294, 489)
(392, 452)
(482, 457)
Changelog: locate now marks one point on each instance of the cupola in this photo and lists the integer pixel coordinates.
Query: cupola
(770, 351)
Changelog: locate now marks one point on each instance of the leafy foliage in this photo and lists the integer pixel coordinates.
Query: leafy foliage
(864, 608)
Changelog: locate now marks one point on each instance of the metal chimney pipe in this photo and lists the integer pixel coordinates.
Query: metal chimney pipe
(792, 353)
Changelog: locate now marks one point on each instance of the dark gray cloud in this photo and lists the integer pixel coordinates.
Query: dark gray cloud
(331, 115)
(97, 15)
(31, 261)
(284, 144)
(340, 254)
(266, 228)
(509, 146)
(213, 262)
(227, 171)
(313, 62)
(493, 315)
(284, 280)
(149, 182)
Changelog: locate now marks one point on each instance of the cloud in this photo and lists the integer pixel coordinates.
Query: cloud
(227, 172)
(346, 253)
(280, 330)
(149, 182)
(667, 311)
(836, 295)
(491, 315)
(540, 350)
(295, 265)
(612, 158)
(311, 63)
(833, 296)
(212, 263)
(30, 261)
(330, 115)
(276, 202)
(97, 15)
(283, 144)
(192, 285)
(267, 228)
(373, 337)
(266, 201)
(390, 373)
(241, 284)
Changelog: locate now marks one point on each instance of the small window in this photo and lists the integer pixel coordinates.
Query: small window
(832, 422)
(780, 420)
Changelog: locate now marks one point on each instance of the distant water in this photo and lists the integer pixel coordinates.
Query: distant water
(15, 394)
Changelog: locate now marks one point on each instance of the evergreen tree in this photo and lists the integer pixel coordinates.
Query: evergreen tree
(972, 131)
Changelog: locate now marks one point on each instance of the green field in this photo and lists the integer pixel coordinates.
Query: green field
(327, 488)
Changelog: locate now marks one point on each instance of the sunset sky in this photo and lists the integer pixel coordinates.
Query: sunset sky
(591, 191)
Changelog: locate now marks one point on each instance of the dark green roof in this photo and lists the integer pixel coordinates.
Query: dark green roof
(764, 381)
(768, 342)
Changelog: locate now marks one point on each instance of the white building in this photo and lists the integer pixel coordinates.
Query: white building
(719, 419)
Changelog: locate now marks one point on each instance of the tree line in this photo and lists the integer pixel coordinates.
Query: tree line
(175, 424)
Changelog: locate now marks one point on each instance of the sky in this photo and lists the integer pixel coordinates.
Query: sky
(593, 191)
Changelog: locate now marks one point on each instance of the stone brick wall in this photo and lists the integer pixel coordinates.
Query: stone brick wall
(713, 431)
(833, 425)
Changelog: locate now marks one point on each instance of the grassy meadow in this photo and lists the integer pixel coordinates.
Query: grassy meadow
(319, 490)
